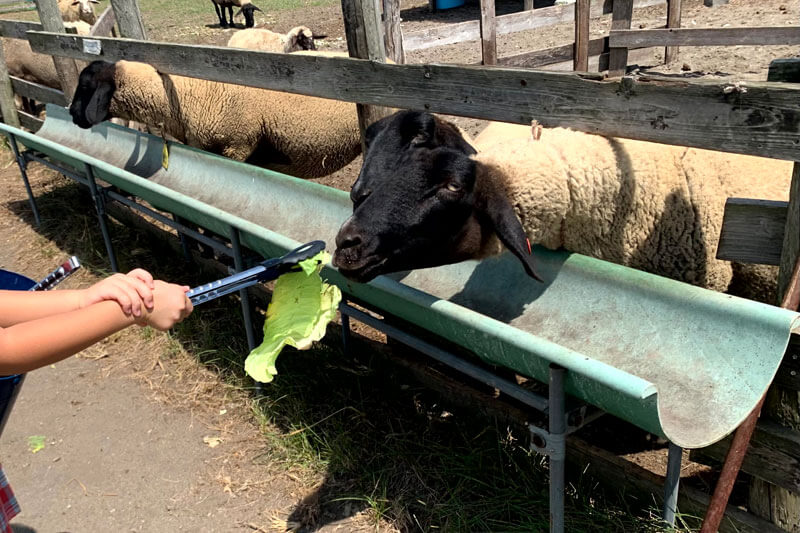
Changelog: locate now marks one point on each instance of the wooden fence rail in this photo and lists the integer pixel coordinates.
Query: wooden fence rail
(761, 120)
(38, 92)
(15, 29)
(525, 20)
(704, 37)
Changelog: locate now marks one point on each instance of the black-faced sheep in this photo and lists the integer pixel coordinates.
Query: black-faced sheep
(425, 198)
(299, 135)
(298, 38)
(74, 10)
(246, 8)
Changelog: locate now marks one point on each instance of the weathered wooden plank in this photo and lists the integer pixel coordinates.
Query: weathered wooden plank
(620, 19)
(548, 56)
(673, 21)
(488, 33)
(105, 23)
(752, 231)
(364, 34)
(38, 92)
(581, 59)
(15, 29)
(393, 33)
(129, 19)
(8, 108)
(50, 17)
(788, 376)
(773, 455)
(761, 120)
(525, 20)
(787, 70)
(29, 121)
(705, 36)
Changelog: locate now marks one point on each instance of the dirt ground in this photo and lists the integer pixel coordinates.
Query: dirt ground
(125, 426)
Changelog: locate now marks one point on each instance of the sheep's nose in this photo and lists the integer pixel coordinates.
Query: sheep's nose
(348, 236)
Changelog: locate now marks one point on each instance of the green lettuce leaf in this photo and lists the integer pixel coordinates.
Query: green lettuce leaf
(302, 306)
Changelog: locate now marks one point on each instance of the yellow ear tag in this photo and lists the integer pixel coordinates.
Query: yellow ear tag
(165, 155)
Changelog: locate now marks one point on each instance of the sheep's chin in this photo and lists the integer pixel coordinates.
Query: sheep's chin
(363, 271)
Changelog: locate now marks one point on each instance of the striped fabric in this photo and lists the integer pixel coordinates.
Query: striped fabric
(9, 508)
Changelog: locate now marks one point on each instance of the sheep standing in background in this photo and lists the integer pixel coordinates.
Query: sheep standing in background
(425, 198)
(302, 136)
(74, 10)
(298, 38)
(246, 7)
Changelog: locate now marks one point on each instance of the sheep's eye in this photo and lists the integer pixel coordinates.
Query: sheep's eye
(453, 187)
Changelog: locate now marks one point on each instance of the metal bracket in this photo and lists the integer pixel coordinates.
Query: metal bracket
(546, 443)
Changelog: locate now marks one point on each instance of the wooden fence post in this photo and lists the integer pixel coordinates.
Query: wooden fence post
(50, 17)
(782, 405)
(129, 19)
(393, 35)
(527, 5)
(673, 21)
(364, 33)
(620, 20)
(581, 58)
(7, 107)
(488, 33)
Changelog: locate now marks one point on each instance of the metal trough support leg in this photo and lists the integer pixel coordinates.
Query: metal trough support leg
(238, 263)
(23, 170)
(672, 483)
(187, 254)
(557, 441)
(100, 207)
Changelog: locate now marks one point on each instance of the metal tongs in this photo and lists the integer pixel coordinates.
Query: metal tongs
(265, 271)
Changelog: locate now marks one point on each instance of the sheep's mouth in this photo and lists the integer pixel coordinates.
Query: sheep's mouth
(362, 270)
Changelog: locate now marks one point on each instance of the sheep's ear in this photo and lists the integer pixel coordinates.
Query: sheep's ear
(97, 108)
(509, 229)
(316, 36)
(256, 8)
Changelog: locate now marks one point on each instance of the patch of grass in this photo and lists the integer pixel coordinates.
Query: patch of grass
(380, 443)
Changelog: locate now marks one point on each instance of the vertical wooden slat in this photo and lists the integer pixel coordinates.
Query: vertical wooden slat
(105, 23)
(782, 405)
(527, 5)
(673, 21)
(129, 19)
(620, 20)
(7, 107)
(488, 33)
(364, 34)
(393, 35)
(50, 17)
(581, 57)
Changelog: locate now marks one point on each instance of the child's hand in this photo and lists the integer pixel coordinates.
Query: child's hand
(170, 306)
(131, 291)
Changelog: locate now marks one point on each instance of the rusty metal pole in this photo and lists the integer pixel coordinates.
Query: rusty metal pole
(741, 439)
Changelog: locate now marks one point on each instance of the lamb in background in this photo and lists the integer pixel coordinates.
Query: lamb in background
(298, 38)
(74, 10)
(425, 198)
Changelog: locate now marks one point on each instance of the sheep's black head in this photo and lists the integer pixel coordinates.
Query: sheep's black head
(417, 202)
(92, 99)
(305, 38)
(248, 10)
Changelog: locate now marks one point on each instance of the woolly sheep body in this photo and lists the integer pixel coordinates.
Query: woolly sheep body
(302, 136)
(270, 41)
(653, 207)
(28, 65)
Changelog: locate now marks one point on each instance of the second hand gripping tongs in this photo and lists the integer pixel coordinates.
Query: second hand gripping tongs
(265, 271)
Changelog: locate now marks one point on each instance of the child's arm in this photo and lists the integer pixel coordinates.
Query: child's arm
(130, 291)
(42, 341)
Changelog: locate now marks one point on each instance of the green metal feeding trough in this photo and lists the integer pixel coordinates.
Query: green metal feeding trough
(682, 362)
